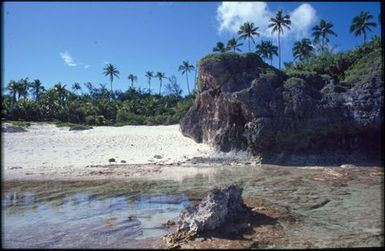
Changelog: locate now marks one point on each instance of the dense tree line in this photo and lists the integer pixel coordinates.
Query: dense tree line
(94, 105)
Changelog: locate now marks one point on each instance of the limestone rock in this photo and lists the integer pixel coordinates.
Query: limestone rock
(245, 104)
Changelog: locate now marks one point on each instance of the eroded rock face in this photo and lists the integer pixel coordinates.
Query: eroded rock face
(245, 104)
(218, 207)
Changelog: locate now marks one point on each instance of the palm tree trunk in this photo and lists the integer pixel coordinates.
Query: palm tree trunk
(188, 87)
(249, 45)
(160, 87)
(132, 83)
(271, 61)
(364, 37)
(149, 86)
(279, 48)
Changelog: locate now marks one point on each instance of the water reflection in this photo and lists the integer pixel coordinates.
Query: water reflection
(101, 213)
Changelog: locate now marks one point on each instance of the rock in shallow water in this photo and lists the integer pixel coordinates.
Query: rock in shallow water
(219, 206)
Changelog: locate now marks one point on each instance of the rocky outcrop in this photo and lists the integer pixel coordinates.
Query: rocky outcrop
(244, 104)
(221, 206)
(218, 207)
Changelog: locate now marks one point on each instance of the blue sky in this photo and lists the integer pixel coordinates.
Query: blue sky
(71, 42)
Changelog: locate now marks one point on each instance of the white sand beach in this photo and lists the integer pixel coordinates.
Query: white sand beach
(46, 150)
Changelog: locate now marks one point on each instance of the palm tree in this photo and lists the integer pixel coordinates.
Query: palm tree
(247, 31)
(278, 23)
(149, 75)
(61, 91)
(76, 87)
(321, 32)
(361, 23)
(111, 71)
(12, 88)
(302, 49)
(37, 88)
(266, 49)
(132, 78)
(185, 67)
(220, 47)
(21, 88)
(160, 76)
(233, 45)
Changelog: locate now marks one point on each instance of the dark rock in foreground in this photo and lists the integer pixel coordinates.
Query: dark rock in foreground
(245, 104)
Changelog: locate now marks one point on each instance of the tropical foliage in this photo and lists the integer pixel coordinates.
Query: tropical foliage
(233, 45)
(267, 50)
(361, 24)
(185, 68)
(95, 107)
(248, 31)
(321, 34)
(112, 72)
(220, 47)
(278, 24)
(303, 49)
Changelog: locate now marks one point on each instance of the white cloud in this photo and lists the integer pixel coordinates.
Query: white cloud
(302, 20)
(68, 60)
(231, 15)
(87, 66)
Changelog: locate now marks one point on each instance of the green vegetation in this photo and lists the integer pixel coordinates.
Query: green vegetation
(278, 23)
(98, 106)
(111, 71)
(361, 23)
(336, 65)
(21, 124)
(228, 56)
(364, 69)
(267, 50)
(302, 49)
(321, 33)
(232, 45)
(220, 47)
(248, 31)
(294, 82)
(185, 68)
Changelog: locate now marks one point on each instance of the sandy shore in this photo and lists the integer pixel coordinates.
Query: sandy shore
(48, 151)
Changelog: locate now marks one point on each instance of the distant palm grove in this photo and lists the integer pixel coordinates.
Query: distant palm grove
(97, 105)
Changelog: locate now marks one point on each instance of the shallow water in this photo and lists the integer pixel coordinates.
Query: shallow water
(43, 214)
(129, 213)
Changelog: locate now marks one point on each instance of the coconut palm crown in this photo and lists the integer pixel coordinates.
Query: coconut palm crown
(111, 71)
(185, 68)
(248, 31)
(361, 24)
(278, 24)
(303, 49)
